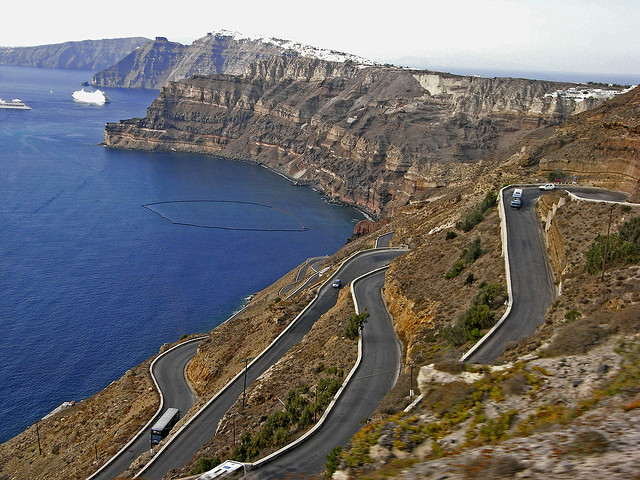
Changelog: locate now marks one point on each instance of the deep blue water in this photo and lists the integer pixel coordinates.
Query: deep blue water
(92, 282)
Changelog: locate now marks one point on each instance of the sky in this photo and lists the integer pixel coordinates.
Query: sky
(590, 36)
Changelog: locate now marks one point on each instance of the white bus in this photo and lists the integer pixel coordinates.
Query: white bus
(227, 470)
(164, 425)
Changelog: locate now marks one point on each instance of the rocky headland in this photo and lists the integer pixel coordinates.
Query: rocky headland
(87, 54)
(161, 61)
(377, 137)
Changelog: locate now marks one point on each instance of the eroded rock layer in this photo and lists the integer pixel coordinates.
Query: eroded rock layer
(373, 136)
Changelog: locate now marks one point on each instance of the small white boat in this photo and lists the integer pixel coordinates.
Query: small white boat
(97, 97)
(15, 104)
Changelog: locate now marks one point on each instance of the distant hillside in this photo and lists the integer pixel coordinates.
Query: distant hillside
(600, 145)
(222, 52)
(83, 55)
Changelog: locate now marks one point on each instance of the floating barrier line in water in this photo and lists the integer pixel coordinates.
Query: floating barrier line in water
(246, 229)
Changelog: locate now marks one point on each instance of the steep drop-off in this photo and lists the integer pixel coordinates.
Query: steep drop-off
(146, 67)
(373, 136)
(219, 52)
(87, 54)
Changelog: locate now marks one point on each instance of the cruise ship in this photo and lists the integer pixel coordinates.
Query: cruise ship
(97, 97)
(15, 104)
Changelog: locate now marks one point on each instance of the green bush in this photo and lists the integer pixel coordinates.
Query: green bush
(572, 315)
(356, 322)
(205, 464)
(475, 217)
(623, 247)
(299, 413)
(455, 270)
(467, 257)
(559, 175)
(478, 317)
(333, 461)
(450, 235)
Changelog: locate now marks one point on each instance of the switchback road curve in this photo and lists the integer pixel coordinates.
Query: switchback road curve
(377, 372)
(168, 371)
(179, 450)
(532, 284)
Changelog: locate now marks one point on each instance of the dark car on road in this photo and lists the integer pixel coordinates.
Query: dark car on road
(337, 283)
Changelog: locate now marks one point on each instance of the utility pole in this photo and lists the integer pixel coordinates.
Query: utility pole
(244, 388)
(606, 245)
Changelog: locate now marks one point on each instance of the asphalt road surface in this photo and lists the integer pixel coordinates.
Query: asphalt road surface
(384, 240)
(169, 373)
(314, 262)
(377, 373)
(532, 282)
(182, 447)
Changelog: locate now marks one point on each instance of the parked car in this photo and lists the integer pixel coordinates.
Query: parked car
(517, 193)
(336, 283)
(547, 186)
(516, 202)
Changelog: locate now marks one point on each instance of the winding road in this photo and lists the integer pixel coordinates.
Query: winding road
(377, 372)
(179, 450)
(532, 285)
(168, 370)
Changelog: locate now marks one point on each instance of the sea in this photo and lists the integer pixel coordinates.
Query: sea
(105, 254)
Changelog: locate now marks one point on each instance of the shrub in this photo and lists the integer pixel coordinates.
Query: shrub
(450, 235)
(577, 338)
(572, 315)
(299, 412)
(456, 269)
(205, 464)
(467, 257)
(356, 322)
(622, 247)
(475, 217)
(479, 317)
(333, 461)
(558, 175)
(496, 429)
(491, 294)
(455, 334)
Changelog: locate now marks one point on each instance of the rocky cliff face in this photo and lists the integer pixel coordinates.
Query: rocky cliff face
(600, 146)
(145, 67)
(220, 52)
(88, 54)
(376, 137)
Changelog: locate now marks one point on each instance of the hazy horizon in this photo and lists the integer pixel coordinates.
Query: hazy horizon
(514, 35)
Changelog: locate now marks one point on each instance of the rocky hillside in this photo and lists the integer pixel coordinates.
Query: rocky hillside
(87, 54)
(220, 52)
(374, 136)
(145, 67)
(601, 145)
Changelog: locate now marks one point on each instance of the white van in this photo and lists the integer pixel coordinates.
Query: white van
(517, 193)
